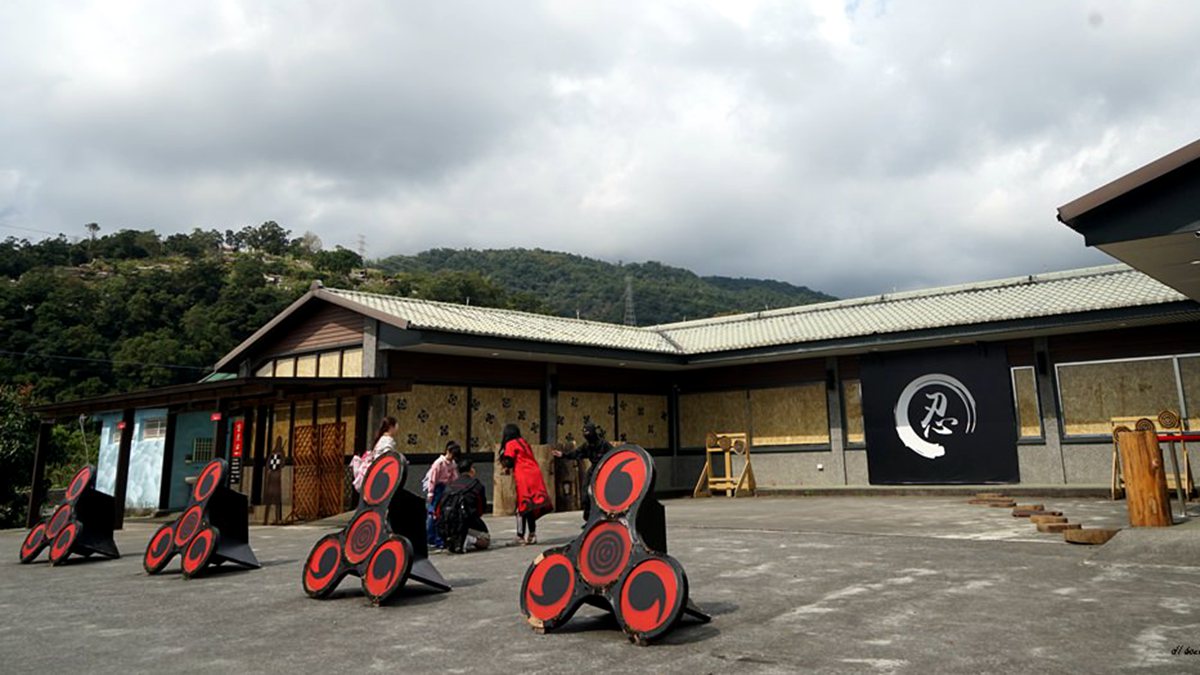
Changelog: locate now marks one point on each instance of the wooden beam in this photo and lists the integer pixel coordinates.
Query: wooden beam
(168, 465)
(123, 451)
(37, 484)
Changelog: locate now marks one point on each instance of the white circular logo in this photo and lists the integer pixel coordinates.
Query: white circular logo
(939, 414)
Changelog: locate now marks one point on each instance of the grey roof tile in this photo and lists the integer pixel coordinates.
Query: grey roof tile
(1042, 295)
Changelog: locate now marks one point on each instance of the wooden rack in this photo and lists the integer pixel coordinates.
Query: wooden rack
(727, 445)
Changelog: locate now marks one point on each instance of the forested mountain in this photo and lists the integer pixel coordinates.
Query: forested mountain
(569, 283)
(132, 309)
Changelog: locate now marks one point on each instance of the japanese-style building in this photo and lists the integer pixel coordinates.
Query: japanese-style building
(1010, 381)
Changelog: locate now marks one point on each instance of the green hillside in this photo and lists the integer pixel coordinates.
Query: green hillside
(569, 284)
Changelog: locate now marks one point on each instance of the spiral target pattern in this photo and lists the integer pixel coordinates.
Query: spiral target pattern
(605, 553)
(365, 532)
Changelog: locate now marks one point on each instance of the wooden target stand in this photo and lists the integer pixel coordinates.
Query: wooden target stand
(82, 525)
(726, 445)
(214, 528)
(619, 563)
(384, 544)
(1169, 427)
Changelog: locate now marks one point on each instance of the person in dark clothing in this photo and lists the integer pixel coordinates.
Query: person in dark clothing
(594, 447)
(460, 511)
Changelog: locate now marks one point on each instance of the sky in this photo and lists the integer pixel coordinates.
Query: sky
(855, 148)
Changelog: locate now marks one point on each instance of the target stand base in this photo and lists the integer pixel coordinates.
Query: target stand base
(82, 525)
(619, 563)
(213, 529)
(384, 543)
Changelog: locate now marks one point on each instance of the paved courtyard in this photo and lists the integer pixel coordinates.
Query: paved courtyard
(822, 584)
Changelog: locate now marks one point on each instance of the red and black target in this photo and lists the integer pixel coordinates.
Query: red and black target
(160, 549)
(61, 548)
(549, 587)
(188, 524)
(362, 536)
(78, 483)
(621, 480)
(62, 516)
(388, 568)
(200, 550)
(604, 553)
(208, 481)
(382, 479)
(321, 568)
(34, 542)
(652, 597)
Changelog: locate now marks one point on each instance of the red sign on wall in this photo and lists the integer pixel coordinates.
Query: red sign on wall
(238, 427)
(215, 417)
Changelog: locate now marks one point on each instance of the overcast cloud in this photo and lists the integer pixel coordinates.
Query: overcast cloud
(851, 147)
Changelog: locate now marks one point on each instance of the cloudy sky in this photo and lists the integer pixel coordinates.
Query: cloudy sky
(854, 147)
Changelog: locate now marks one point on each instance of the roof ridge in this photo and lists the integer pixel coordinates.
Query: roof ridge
(505, 310)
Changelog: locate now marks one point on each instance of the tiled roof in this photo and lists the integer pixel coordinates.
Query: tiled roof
(507, 323)
(1036, 296)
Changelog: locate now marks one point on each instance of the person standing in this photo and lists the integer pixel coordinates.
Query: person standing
(532, 499)
(594, 447)
(440, 474)
(385, 441)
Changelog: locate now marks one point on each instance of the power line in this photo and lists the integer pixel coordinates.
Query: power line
(64, 357)
(30, 229)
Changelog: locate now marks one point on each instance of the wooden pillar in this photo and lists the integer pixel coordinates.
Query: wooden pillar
(262, 438)
(168, 465)
(123, 451)
(221, 436)
(837, 425)
(1145, 478)
(549, 407)
(37, 483)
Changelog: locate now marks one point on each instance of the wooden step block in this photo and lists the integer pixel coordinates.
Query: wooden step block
(1059, 518)
(1057, 527)
(1020, 512)
(990, 495)
(1002, 505)
(1092, 535)
(1030, 513)
(1031, 507)
(989, 500)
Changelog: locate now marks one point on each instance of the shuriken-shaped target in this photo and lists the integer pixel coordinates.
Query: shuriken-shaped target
(83, 524)
(619, 562)
(214, 528)
(384, 544)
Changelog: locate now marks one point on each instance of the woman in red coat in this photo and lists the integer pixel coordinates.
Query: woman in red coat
(532, 499)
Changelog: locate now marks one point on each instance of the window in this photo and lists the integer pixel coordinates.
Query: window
(1091, 394)
(154, 428)
(114, 434)
(852, 405)
(331, 364)
(1025, 401)
(285, 368)
(796, 415)
(265, 370)
(1189, 379)
(352, 363)
(306, 366)
(202, 450)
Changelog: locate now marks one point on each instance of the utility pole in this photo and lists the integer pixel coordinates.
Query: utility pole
(630, 316)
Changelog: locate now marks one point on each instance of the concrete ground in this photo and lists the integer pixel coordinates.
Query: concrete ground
(823, 584)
